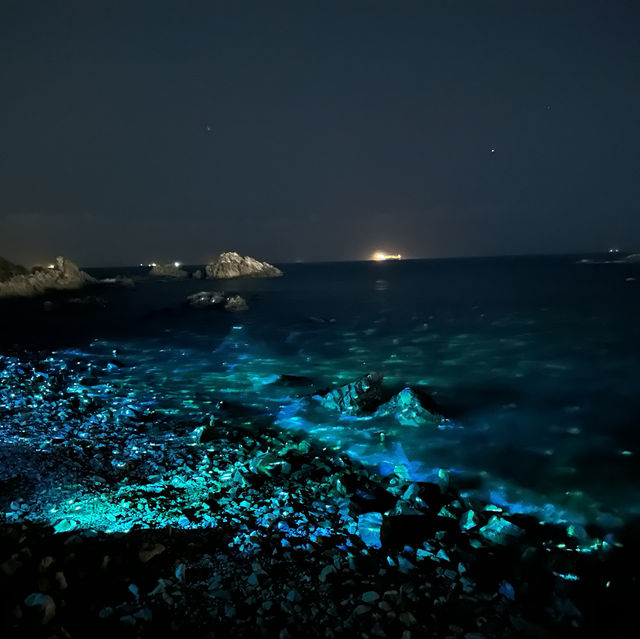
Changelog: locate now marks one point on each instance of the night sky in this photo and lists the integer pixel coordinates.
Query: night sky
(138, 131)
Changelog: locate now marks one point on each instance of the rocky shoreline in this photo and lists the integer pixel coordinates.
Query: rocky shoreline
(121, 516)
(60, 276)
(64, 275)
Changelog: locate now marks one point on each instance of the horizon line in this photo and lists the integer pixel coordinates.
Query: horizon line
(404, 259)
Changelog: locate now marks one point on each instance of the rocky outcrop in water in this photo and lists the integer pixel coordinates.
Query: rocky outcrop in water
(407, 408)
(168, 270)
(236, 303)
(206, 299)
(9, 269)
(366, 395)
(363, 395)
(216, 299)
(64, 275)
(229, 265)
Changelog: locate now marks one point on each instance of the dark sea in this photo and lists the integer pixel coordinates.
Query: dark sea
(536, 361)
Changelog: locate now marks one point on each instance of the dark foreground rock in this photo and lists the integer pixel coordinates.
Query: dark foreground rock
(229, 265)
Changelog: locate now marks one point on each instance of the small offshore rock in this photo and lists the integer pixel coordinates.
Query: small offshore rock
(206, 299)
(230, 264)
(236, 303)
(168, 270)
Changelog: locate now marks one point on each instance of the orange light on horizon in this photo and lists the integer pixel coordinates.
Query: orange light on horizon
(380, 256)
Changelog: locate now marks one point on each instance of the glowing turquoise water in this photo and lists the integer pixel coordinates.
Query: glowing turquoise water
(535, 360)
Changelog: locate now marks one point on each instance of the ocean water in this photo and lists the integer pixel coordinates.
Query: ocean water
(535, 360)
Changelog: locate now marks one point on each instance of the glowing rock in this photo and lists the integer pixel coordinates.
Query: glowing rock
(263, 463)
(500, 531)
(362, 395)
(441, 554)
(408, 410)
(467, 521)
(369, 525)
(65, 525)
(506, 589)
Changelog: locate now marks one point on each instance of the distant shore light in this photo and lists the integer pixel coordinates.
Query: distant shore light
(380, 256)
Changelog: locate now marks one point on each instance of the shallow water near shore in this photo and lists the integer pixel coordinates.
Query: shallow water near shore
(535, 360)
